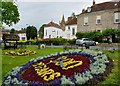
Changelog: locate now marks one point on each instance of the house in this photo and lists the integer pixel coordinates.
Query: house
(71, 28)
(53, 30)
(22, 34)
(3, 31)
(99, 17)
(65, 29)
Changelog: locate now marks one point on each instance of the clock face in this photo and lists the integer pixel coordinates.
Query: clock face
(81, 67)
(50, 69)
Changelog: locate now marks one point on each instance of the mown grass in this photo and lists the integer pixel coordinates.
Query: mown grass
(114, 78)
(9, 62)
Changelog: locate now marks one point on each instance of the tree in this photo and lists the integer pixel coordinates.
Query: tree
(41, 31)
(10, 14)
(110, 32)
(31, 32)
(12, 31)
(80, 35)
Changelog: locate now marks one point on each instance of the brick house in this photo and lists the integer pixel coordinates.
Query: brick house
(99, 17)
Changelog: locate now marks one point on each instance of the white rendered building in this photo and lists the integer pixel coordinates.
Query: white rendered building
(22, 36)
(71, 28)
(53, 30)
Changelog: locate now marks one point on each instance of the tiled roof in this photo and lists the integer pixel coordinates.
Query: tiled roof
(72, 21)
(10, 37)
(21, 31)
(52, 24)
(104, 6)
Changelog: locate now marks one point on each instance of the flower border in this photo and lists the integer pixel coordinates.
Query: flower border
(97, 67)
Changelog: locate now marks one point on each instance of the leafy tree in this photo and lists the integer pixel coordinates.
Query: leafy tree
(31, 32)
(95, 35)
(41, 31)
(110, 32)
(12, 31)
(10, 14)
(80, 35)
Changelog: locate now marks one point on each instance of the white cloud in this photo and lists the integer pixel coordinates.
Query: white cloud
(37, 12)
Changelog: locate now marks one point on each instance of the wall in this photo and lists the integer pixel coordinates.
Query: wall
(53, 32)
(22, 35)
(107, 21)
(68, 33)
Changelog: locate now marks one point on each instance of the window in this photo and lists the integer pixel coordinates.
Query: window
(23, 38)
(49, 36)
(68, 27)
(73, 31)
(99, 30)
(117, 17)
(46, 32)
(98, 20)
(85, 20)
(53, 31)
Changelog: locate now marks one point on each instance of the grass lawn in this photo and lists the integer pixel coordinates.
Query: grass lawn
(9, 62)
(114, 77)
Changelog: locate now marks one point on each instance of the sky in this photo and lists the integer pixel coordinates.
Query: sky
(39, 12)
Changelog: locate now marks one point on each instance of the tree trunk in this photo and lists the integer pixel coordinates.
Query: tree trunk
(113, 38)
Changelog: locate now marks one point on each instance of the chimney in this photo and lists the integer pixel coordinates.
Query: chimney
(69, 18)
(93, 2)
(83, 10)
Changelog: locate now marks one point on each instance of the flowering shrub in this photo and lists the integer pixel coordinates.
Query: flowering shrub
(69, 67)
(21, 52)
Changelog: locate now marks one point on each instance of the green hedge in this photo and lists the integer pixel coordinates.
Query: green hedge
(71, 42)
(54, 41)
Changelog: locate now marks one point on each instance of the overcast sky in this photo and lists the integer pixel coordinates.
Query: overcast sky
(38, 12)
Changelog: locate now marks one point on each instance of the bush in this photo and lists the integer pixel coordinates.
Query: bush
(54, 41)
(59, 41)
(117, 40)
(71, 42)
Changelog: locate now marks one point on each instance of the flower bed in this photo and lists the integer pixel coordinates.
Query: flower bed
(21, 52)
(70, 67)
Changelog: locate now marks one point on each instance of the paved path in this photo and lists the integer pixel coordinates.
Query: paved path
(94, 47)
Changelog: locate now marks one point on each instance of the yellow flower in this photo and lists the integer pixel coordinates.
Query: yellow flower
(6, 53)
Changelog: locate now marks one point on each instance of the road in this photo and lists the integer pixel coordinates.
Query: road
(94, 47)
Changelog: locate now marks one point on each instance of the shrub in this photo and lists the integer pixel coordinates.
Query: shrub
(71, 42)
(59, 41)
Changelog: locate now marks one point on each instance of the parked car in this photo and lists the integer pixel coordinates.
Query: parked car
(85, 41)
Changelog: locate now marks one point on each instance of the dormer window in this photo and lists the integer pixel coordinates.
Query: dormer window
(85, 20)
(115, 4)
(68, 27)
(89, 9)
(117, 17)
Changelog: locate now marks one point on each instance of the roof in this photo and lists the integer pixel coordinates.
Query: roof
(21, 31)
(52, 24)
(71, 21)
(10, 37)
(103, 6)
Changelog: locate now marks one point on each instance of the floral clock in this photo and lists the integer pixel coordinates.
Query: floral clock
(74, 67)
